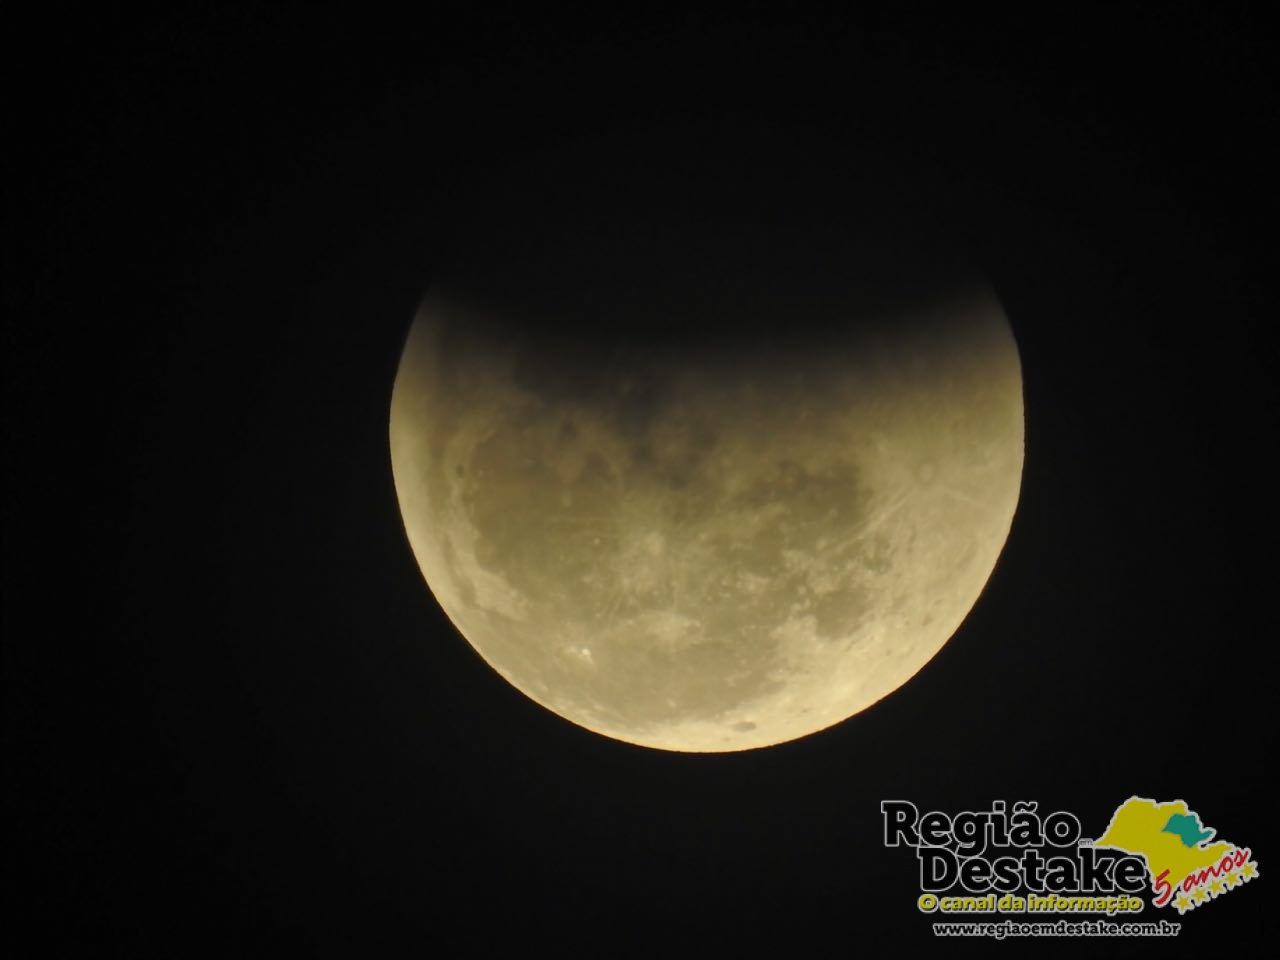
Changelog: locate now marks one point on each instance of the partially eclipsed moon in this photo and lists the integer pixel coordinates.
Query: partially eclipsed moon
(703, 553)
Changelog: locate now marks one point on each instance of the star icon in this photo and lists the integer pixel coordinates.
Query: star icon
(1217, 886)
(1233, 879)
(1200, 896)
(1182, 903)
(1249, 870)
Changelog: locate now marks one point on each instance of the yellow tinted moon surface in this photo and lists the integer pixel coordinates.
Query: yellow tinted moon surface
(710, 557)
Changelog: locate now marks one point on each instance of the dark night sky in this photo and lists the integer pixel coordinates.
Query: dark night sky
(235, 719)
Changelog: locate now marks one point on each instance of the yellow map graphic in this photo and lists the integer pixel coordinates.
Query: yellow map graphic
(1142, 827)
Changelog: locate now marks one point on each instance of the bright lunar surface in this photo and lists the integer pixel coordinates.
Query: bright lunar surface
(712, 550)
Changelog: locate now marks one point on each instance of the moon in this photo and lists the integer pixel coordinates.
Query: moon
(713, 547)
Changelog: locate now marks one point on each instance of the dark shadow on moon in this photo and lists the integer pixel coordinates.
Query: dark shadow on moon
(757, 245)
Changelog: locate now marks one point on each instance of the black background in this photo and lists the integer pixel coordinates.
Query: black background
(235, 719)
